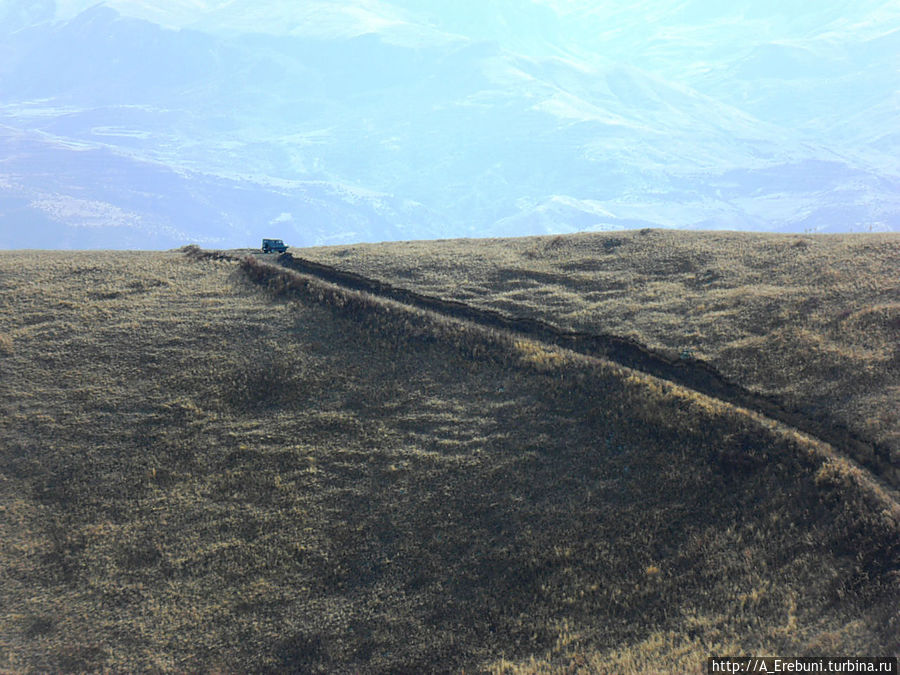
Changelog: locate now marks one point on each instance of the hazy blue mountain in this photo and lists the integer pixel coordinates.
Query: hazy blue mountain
(138, 203)
(149, 124)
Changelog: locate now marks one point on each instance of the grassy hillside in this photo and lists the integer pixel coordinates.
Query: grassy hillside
(811, 320)
(221, 467)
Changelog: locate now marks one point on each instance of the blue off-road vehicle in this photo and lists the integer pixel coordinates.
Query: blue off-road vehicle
(270, 245)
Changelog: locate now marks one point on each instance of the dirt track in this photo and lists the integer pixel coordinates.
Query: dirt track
(684, 370)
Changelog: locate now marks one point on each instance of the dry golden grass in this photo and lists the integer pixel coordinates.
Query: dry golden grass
(199, 476)
(812, 320)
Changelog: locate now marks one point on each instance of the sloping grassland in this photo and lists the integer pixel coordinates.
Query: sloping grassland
(216, 466)
(812, 321)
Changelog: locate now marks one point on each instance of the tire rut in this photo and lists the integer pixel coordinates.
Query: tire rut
(688, 372)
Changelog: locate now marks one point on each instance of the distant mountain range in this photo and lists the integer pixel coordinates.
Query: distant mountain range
(134, 124)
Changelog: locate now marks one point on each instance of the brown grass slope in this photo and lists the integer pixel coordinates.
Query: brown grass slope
(196, 476)
(812, 321)
(684, 369)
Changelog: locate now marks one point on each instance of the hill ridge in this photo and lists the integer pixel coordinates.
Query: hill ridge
(225, 465)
